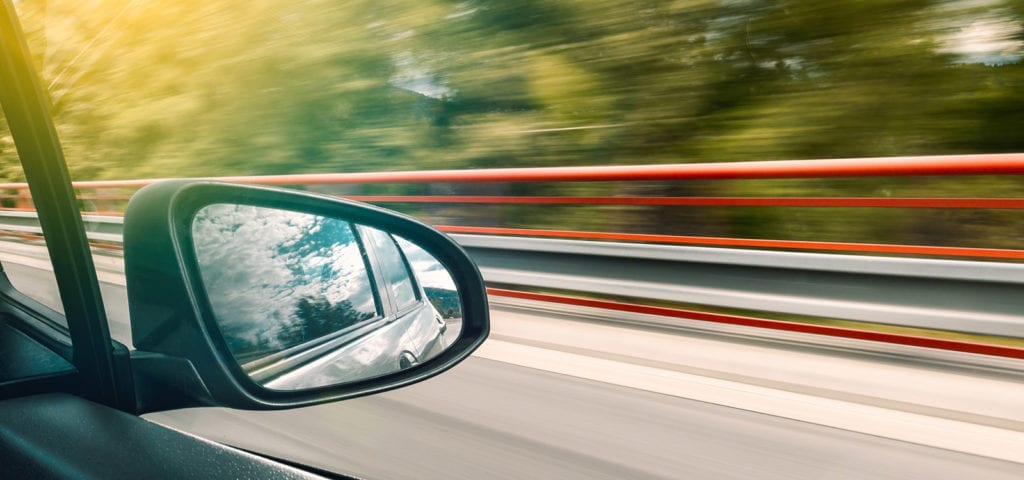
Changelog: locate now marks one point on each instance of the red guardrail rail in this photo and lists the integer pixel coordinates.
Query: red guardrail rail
(954, 345)
(108, 196)
(995, 253)
(991, 164)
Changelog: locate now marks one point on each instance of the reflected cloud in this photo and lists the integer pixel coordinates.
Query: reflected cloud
(268, 271)
(429, 271)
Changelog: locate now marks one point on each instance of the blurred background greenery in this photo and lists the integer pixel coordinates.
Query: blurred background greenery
(158, 88)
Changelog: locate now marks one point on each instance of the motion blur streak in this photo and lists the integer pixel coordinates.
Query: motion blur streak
(368, 97)
(493, 419)
(593, 99)
(789, 406)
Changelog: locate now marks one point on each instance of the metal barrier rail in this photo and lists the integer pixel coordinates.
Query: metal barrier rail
(112, 194)
(664, 316)
(99, 228)
(975, 297)
(953, 295)
(996, 253)
(989, 164)
(807, 202)
(966, 296)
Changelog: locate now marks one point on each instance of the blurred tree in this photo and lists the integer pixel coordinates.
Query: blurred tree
(144, 87)
(154, 88)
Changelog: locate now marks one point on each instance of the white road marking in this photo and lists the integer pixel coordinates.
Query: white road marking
(943, 433)
(954, 435)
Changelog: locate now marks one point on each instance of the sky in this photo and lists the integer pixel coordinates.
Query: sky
(257, 263)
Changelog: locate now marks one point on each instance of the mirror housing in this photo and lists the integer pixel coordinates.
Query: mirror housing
(182, 359)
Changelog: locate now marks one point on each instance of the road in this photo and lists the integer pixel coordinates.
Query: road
(576, 396)
(489, 419)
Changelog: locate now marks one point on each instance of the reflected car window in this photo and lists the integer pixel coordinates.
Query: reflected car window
(396, 271)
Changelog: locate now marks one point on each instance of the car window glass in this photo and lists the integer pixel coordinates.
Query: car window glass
(23, 254)
(69, 45)
(396, 272)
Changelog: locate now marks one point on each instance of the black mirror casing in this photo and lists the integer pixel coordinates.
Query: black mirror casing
(181, 358)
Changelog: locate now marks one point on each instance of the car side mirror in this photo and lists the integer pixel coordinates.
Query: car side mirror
(262, 298)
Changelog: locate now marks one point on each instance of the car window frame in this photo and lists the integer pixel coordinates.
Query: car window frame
(368, 256)
(102, 364)
(397, 311)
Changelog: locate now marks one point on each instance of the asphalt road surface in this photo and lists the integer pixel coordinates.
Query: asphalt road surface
(569, 396)
(489, 419)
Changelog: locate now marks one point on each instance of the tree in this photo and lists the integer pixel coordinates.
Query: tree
(154, 88)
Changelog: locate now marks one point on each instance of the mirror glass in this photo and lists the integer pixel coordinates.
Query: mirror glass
(306, 301)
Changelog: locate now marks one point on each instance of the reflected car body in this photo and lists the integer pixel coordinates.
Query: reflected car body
(378, 346)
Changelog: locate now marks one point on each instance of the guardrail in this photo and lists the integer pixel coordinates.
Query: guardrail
(103, 229)
(976, 297)
(936, 294)
(108, 197)
(952, 295)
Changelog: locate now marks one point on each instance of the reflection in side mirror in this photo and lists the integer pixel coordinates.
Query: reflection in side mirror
(305, 301)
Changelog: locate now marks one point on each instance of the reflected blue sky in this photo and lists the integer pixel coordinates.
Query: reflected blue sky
(258, 263)
(429, 271)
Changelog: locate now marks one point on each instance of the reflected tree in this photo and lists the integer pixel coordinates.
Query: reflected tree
(446, 302)
(317, 316)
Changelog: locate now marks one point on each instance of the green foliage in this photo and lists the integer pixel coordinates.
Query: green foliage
(156, 88)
